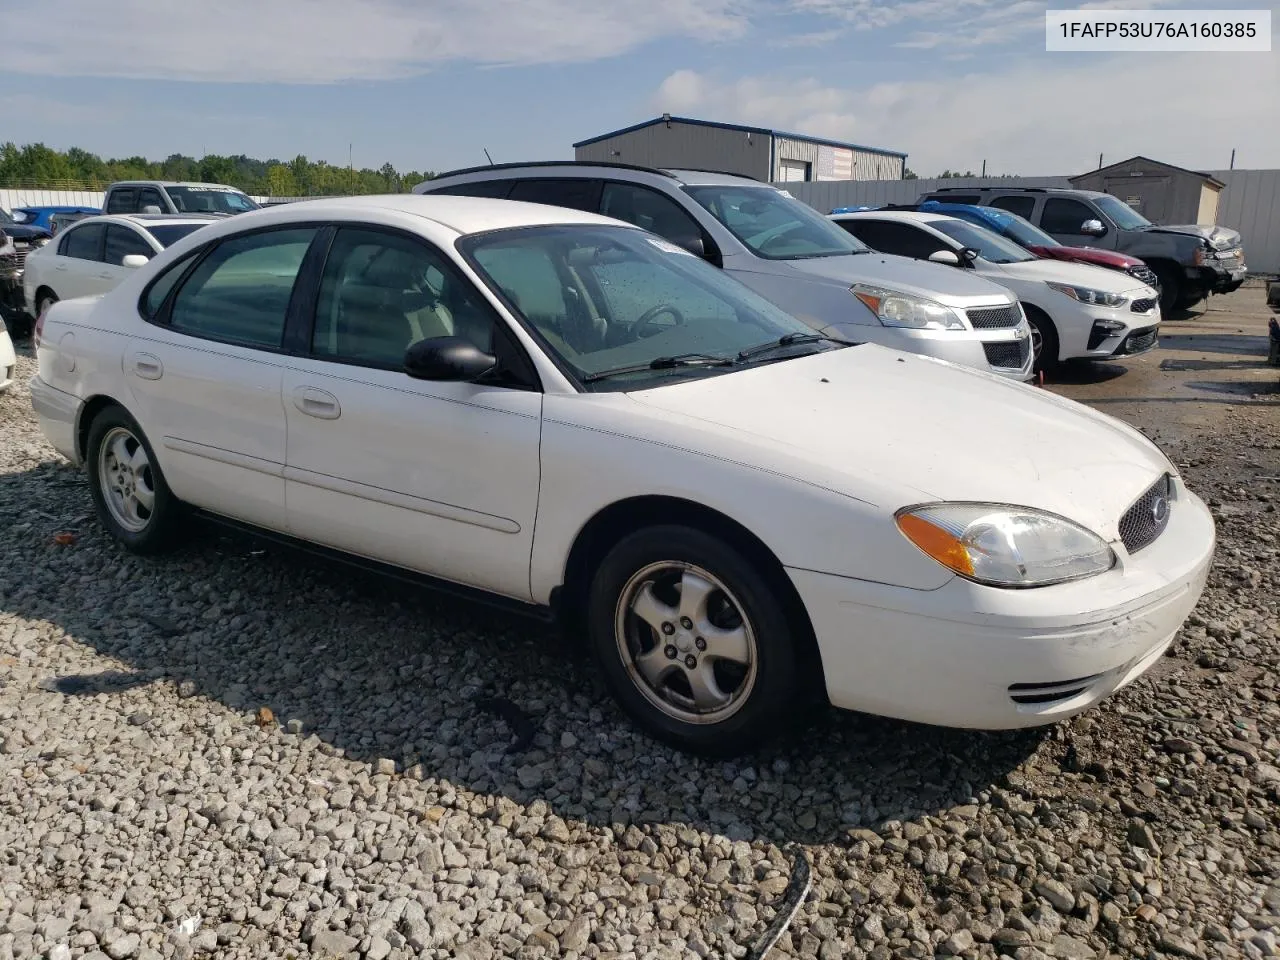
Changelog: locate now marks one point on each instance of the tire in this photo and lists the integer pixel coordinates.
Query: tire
(44, 301)
(1044, 340)
(131, 497)
(1172, 294)
(669, 679)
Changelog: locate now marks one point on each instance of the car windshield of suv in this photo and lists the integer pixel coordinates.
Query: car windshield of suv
(774, 224)
(624, 309)
(210, 200)
(170, 233)
(1123, 215)
(990, 246)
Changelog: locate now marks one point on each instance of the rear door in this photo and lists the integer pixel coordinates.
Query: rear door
(122, 200)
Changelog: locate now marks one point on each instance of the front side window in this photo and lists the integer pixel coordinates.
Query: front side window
(649, 210)
(623, 309)
(240, 292)
(1064, 215)
(83, 243)
(121, 242)
(990, 246)
(774, 224)
(1121, 214)
(899, 239)
(577, 194)
(154, 298)
(381, 292)
(150, 197)
(209, 200)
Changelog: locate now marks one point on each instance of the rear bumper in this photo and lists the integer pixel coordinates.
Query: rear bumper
(58, 414)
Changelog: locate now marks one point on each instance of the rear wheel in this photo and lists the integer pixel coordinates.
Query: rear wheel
(132, 499)
(693, 641)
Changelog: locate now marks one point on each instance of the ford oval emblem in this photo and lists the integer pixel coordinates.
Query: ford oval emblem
(1159, 510)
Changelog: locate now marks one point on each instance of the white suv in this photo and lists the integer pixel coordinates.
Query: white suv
(785, 251)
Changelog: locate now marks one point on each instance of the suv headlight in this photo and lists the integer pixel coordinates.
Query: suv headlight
(895, 309)
(1004, 546)
(1098, 298)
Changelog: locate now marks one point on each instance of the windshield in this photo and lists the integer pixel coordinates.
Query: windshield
(1123, 215)
(170, 233)
(605, 298)
(990, 246)
(1023, 231)
(774, 224)
(4, 216)
(210, 200)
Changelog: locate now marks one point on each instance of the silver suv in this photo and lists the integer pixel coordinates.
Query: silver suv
(785, 251)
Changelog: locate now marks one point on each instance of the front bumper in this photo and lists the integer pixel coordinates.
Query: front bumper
(1220, 277)
(1005, 352)
(977, 657)
(1108, 333)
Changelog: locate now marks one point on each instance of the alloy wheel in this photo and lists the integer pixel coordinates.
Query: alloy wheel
(128, 486)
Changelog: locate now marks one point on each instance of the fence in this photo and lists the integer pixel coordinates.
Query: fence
(1250, 203)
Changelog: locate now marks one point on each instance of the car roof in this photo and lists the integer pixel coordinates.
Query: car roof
(904, 216)
(171, 183)
(585, 168)
(154, 219)
(1069, 191)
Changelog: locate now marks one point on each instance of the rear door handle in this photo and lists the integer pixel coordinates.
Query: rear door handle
(318, 403)
(148, 366)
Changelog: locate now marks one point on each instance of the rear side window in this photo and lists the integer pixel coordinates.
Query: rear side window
(1022, 206)
(900, 239)
(576, 194)
(155, 296)
(1064, 215)
(955, 198)
(121, 242)
(124, 200)
(149, 197)
(241, 291)
(83, 243)
(496, 189)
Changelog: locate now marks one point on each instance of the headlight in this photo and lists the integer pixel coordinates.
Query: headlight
(1005, 546)
(1206, 255)
(906, 310)
(1099, 298)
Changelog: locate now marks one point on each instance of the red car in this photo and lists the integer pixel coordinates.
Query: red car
(1026, 234)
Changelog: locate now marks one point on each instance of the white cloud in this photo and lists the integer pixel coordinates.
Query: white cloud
(1043, 117)
(324, 41)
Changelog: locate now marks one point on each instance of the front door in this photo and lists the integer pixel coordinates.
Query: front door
(1063, 217)
(440, 478)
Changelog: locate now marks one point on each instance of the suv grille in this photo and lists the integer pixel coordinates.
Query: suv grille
(1144, 274)
(993, 318)
(1008, 353)
(1142, 306)
(1143, 522)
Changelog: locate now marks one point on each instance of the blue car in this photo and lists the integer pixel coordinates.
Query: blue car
(41, 216)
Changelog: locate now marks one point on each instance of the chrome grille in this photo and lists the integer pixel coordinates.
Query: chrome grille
(1144, 274)
(1142, 306)
(1008, 353)
(1143, 522)
(994, 318)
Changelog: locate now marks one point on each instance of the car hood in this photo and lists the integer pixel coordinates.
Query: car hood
(1081, 274)
(932, 280)
(1220, 238)
(22, 231)
(897, 429)
(1102, 258)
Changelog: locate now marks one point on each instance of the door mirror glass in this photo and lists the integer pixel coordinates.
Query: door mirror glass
(970, 255)
(1093, 228)
(446, 359)
(133, 261)
(692, 243)
(945, 256)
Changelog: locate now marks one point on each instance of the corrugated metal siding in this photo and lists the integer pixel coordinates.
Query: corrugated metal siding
(865, 165)
(1250, 203)
(685, 145)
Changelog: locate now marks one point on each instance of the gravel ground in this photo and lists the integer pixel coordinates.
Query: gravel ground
(238, 752)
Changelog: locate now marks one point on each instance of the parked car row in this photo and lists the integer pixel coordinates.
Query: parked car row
(746, 503)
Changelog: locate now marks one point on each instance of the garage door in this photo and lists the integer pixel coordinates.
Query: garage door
(793, 171)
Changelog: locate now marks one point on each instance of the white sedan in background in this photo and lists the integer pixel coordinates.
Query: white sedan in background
(1076, 310)
(94, 254)
(8, 359)
(738, 515)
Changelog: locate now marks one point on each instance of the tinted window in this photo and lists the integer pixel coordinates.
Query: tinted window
(575, 194)
(479, 188)
(1022, 206)
(241, 291)
(122, 241)
(1124, 216)
(209, 200)
(381, 292)
(1064, 215)
(990, 246)
(648, 209)
(123, 200)
(160, 287)
(170, 233)
(900, 239)
(774, 224)
(148, 197)
(83, 243)
(955, 197)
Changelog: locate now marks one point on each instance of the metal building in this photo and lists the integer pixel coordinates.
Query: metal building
(768, 155)
(1161, 192)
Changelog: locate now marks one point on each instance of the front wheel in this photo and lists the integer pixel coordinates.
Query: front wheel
(132, 499)
(1044, 341)
(693, 640)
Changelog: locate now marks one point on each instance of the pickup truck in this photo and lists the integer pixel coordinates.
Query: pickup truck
(1191, 261)
(164, 196)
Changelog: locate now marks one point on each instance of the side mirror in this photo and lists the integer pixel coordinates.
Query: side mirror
(944, 256)
(693, 244)
(134, 260)
(151, 208)
(969, 254)
(446, 359)
(1093, 228)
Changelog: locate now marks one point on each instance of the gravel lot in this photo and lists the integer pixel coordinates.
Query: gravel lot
(240, 752)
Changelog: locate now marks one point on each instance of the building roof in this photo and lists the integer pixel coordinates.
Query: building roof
(745, 129)
(1159, 163)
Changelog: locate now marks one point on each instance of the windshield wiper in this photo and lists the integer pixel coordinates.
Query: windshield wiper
(787, 340)
(663, 363)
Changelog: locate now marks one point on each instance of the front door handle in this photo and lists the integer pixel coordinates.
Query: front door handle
(318, 403)
(148, 366)
(105, 276)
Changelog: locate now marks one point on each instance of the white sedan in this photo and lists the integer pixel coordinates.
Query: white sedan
(95, 254)
(8, 359)
(556, 409)
(1076, 310)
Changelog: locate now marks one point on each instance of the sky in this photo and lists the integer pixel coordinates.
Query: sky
(432, 84)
